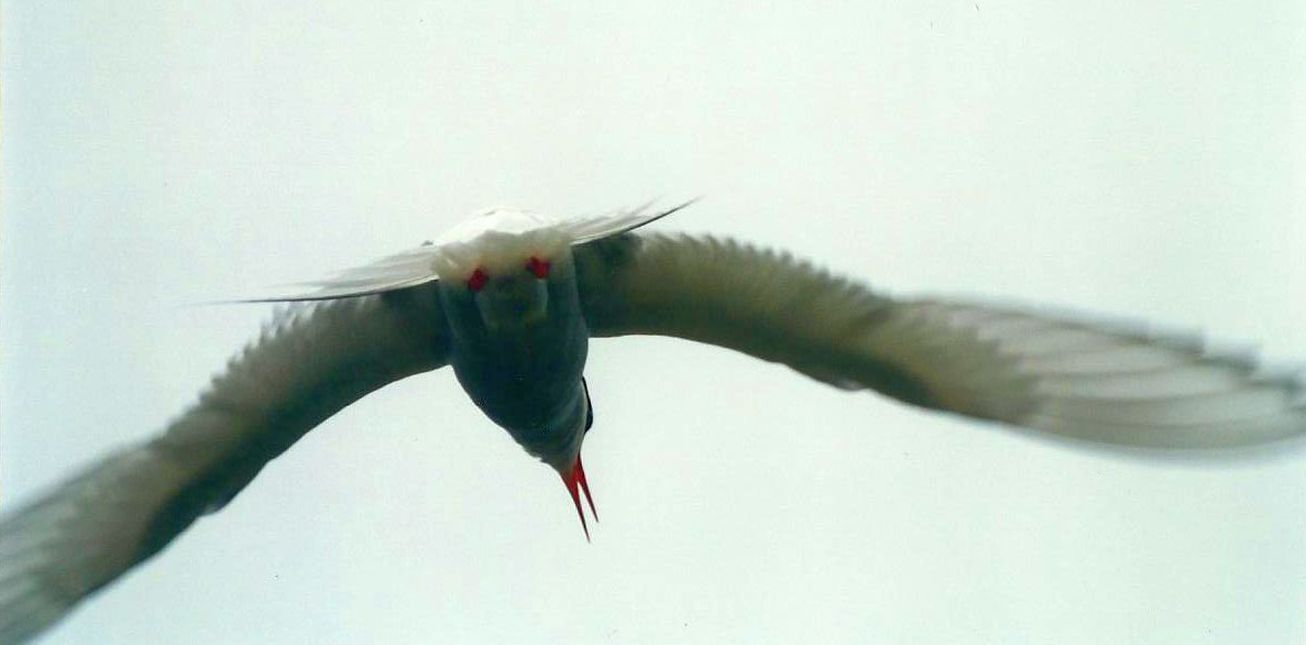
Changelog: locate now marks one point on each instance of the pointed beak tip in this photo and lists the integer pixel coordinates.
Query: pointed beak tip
(573, 478)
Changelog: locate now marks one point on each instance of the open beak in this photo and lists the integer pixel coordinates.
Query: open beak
(573, 477)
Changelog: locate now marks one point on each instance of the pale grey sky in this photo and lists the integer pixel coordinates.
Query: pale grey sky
(1145, 161)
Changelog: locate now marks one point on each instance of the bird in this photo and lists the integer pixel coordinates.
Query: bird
(510, 299)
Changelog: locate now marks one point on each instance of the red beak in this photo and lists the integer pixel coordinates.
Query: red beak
(574, 479)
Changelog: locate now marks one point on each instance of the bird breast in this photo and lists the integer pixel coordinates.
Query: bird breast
(525, 376)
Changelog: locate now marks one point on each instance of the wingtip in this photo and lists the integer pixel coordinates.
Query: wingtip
(679, 207)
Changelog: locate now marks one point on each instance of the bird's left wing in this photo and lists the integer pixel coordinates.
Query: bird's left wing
(1068, 375)
(311, 362)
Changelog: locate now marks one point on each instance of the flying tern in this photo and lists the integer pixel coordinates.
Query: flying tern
(511, 298)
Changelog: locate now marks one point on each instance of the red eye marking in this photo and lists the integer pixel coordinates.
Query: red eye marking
(538, 267)
(477, 280)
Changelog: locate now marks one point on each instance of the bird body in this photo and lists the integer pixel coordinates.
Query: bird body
(522, 340)
(521, 352)
(510, 300)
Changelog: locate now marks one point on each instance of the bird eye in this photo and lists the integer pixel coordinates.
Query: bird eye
(539, 268)
(477, 280)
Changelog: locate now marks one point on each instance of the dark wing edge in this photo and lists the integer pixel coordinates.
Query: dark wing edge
(1065, 374)
(309, 363)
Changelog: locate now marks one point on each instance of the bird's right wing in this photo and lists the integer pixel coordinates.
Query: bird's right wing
(1068, 375)
(311, 362)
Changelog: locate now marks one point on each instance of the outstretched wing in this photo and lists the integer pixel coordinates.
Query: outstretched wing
(309, 364)
(1102, 382)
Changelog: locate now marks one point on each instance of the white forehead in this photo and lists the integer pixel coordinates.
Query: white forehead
(507, 221)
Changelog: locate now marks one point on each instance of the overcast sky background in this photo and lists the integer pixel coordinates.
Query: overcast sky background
(1141, 159)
